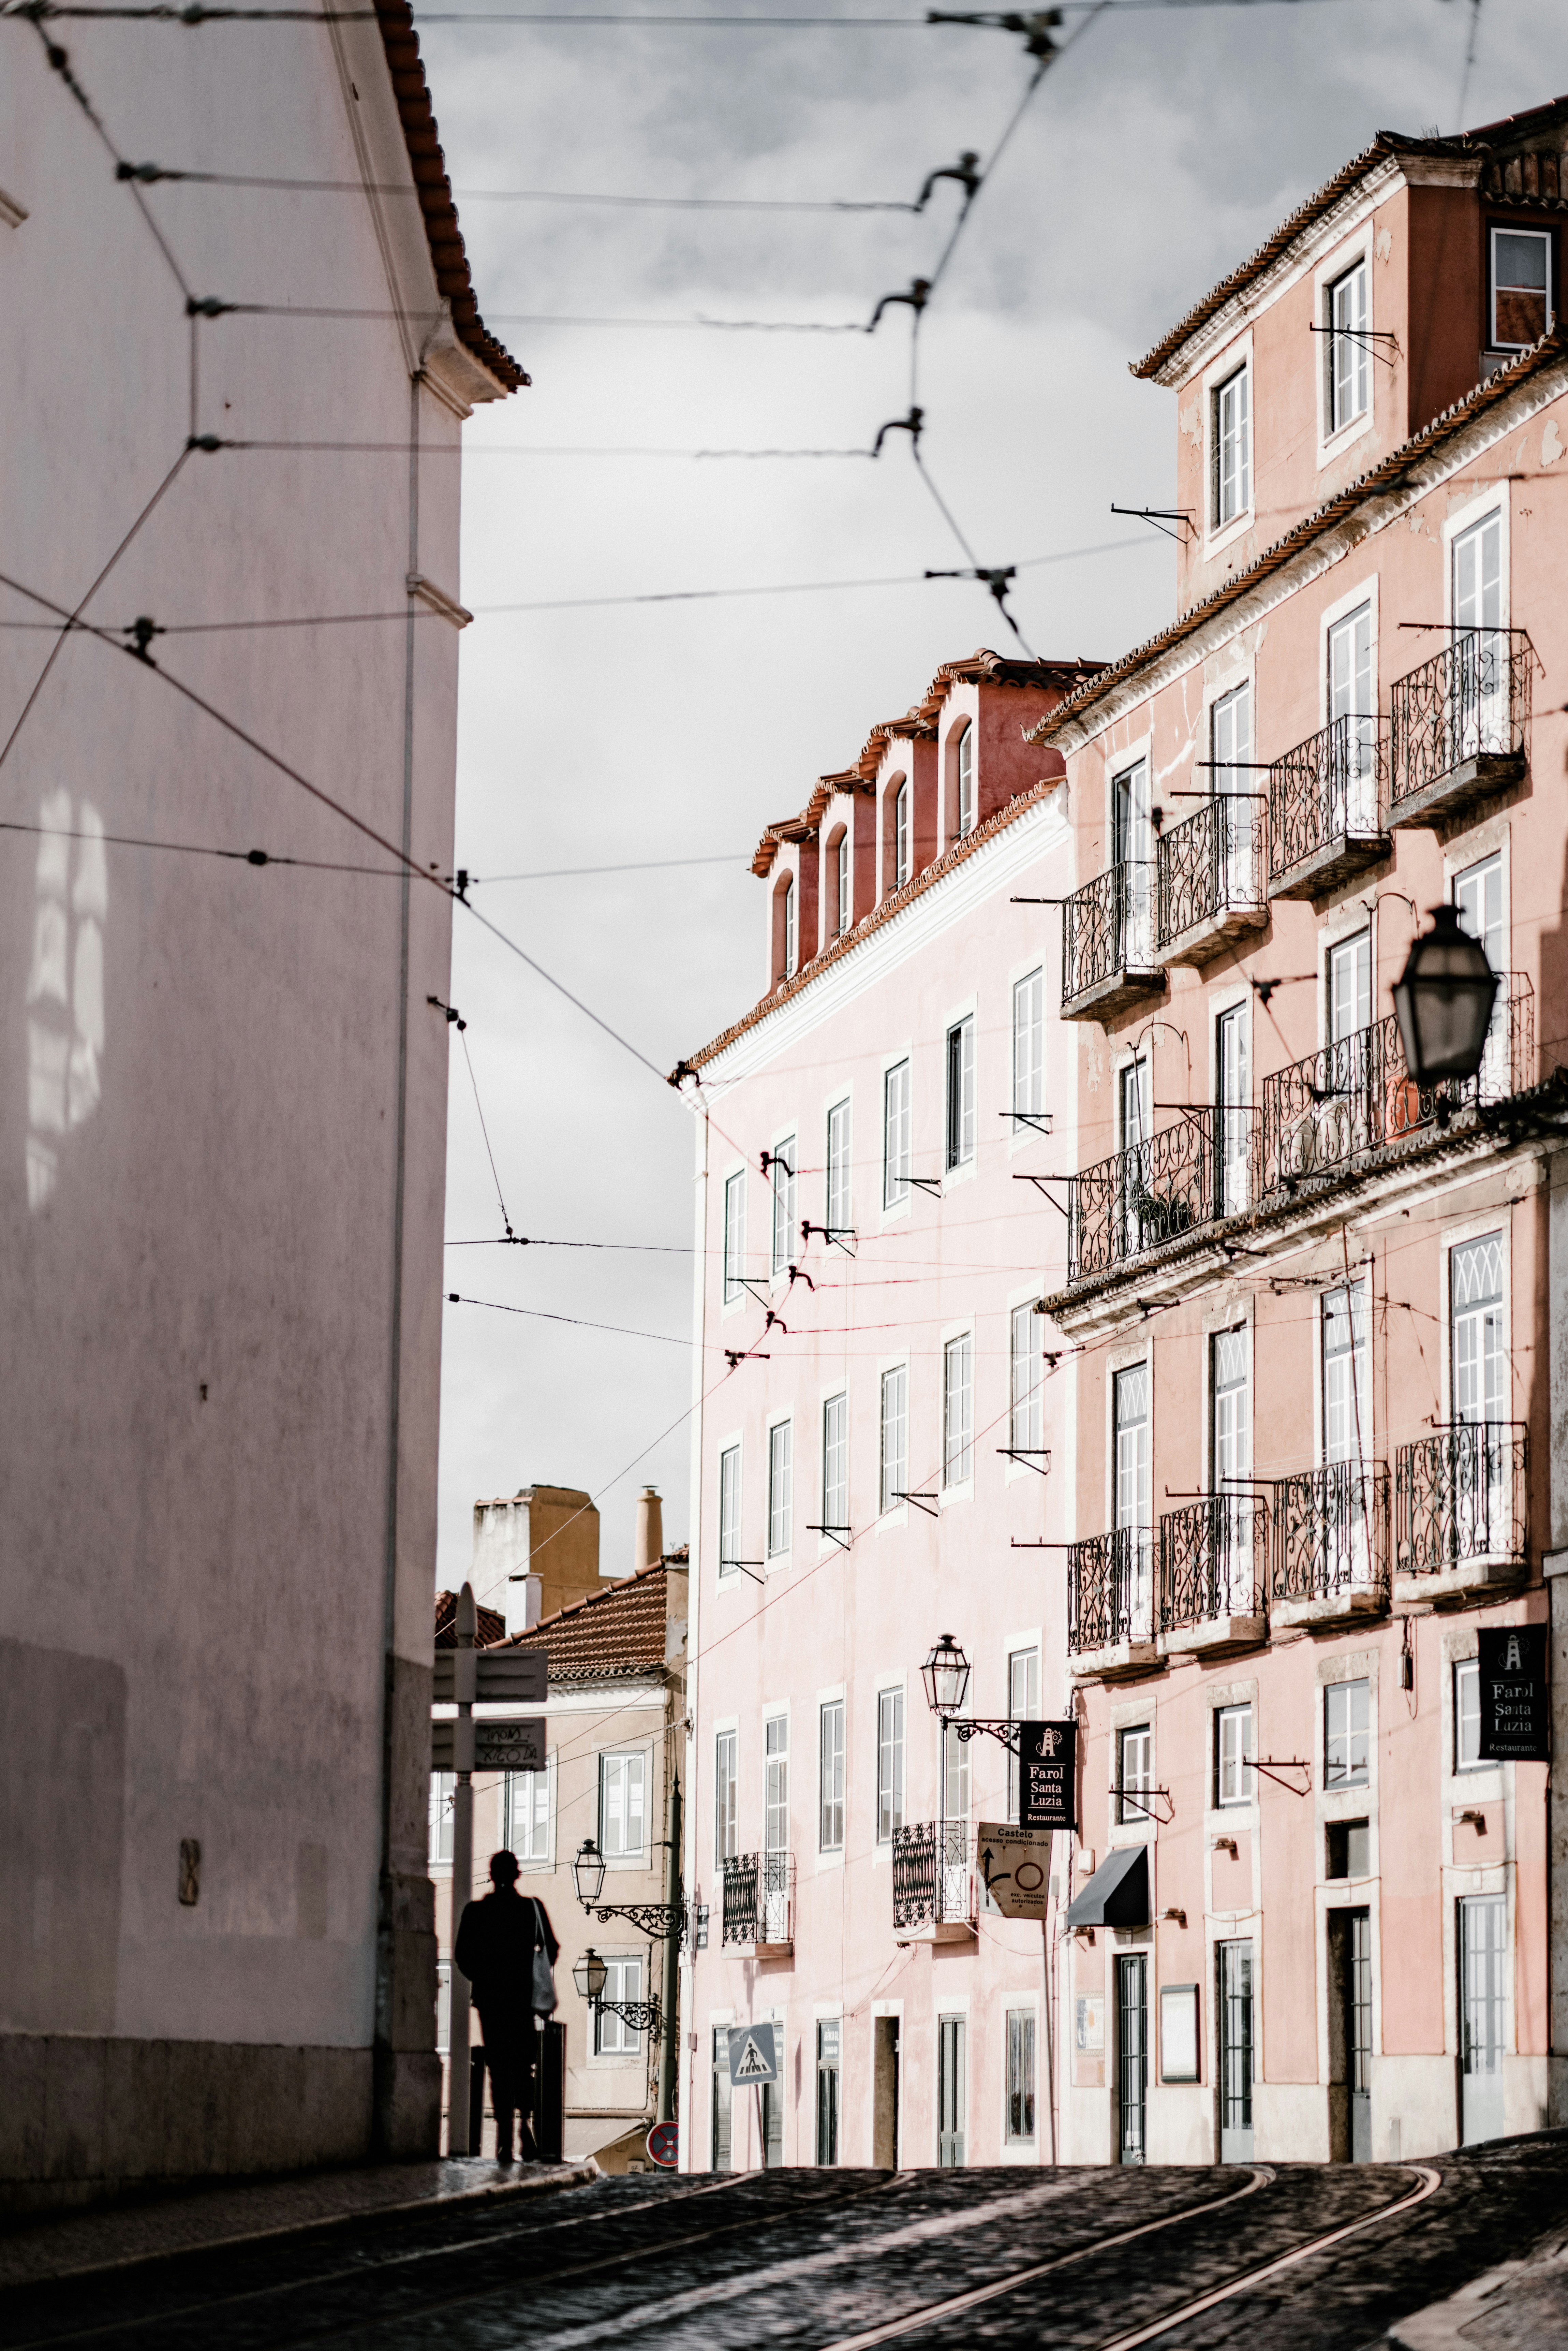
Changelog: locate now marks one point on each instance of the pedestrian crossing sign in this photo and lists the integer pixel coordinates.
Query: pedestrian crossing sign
(753, 2054)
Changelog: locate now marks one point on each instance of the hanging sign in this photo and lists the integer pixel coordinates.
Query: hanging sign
(1016, 1866)
(1048, 1775)
(1516, 1699)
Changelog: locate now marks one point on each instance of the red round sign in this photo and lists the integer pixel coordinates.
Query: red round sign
(664, 2143)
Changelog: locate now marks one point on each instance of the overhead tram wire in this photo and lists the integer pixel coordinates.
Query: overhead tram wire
(196, 14)
(537, 1314)
(152, 174)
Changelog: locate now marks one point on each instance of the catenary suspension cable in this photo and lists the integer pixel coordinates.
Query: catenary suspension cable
(538, 1313)
(151, 174)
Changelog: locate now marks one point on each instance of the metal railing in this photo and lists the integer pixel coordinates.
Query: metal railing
(1321, 1114)
(1331, 1533)
(1328, 788)
(1212, 1560)
(928, 1890)
(1111, 1590)
(759, 1898)
(1108, 926)
(1212, 865)
(1150, 1193)
(1470, 701)
(1460, 1495)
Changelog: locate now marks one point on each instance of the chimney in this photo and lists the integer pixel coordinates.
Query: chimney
(536, 1551)
(649, 1528)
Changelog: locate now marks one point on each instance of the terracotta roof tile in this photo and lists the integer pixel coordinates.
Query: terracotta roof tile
(616, 1632)
(492, 1623)
(428, 165)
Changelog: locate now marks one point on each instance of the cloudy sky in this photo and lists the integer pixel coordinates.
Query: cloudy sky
(1152, 160)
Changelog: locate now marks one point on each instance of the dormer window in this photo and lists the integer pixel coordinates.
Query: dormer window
(964, 783)
(1349, 353)
(901, 850)
(787, 894)
(1521, 291)
(1231, 441)
(841, 883)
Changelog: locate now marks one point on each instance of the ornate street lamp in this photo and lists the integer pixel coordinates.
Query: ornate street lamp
(659, 1919)
(640, 2015)
(587, 1873)
(1443, 1001)
(946, 1675)
(588, 1975)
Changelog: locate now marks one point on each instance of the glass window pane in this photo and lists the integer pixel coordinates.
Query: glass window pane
(957, 1411)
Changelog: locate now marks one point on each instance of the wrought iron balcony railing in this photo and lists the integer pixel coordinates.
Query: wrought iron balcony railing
(1212, 1560)
(933, 1874)
(1325, 808)
(1111, 1590)
(1331, 1534)
(1212, 873)
(759, 1898)
(1108, 938)
(1460, 1496)
(1459, 724)
(1322, 1115)
(1150, 1193)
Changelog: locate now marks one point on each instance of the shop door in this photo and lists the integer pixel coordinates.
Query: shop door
(1483, 1932)
(1236, 2053)
(950, 2032)
(1132, 2057)
(1358, 2031)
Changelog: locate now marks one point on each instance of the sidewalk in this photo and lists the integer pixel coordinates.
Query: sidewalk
(233, 2213)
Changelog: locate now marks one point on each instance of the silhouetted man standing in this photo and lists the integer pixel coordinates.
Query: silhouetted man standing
(496, 1942)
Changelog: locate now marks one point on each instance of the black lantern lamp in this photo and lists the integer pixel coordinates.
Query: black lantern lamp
(1443, 1001)
(946, 1675)
(588, 1975)
(587, 1873)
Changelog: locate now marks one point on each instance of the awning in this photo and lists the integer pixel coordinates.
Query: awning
(1118, 1892)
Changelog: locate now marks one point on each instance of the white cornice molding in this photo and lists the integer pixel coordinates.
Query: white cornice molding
(1037, 833)
(1377, 510)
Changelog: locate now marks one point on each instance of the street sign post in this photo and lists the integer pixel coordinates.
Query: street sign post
(1048, 1775)
(1516, 1711)
(663, 2144)
(518, 1676)
(514, 1743)
(1016, 1866)
(753, 2055)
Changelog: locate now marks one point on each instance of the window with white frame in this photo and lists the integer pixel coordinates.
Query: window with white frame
(836, 1465)
(792, 928)
(896, 1135)
(889, 1764)
(443, 1790)
(1350, 782)
(840, 1213)
(612, 2036)
(1522, 300)
(1023, 1706)
(1347, 1386)
(1349, 349)
(622, 1831)
(964, 782)
(961, 1092)
(1026, 1413)
(1134, 1773)
(1467, 1713)
(1230, 431)
(1028, 1049)
(725, 1845)
(782, 1171)
(841, 883)
(525, 1815)
(830, 1776)
(957, 1410)
(1021, 2076)
(1235, 1779)
(955, 1810)
(1233, 1108)
(1348, 975)
(734, 1236)
(1478, 899)
(1478, 1362)
(780, 1486)
(1347, 1734)
(776, 1783)
(729, 1509)
(1479, 702)
(894, 1480)
(902, 851)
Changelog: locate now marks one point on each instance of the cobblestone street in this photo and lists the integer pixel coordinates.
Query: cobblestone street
(1297, 2258)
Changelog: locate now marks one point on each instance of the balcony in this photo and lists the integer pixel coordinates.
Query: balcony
(760, 1904)
(1212, 1566)
(1157, 1191)
(1460, 1503)
(934, 1898)
(1211, 877)
(1329, 1564)
(1108, 962)
(1111, 1626)
(1324, 1116)
(1459, 725)
(1325, 801)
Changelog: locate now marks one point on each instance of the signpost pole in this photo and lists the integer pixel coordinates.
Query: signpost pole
(1045, 1977)
(464, 1684)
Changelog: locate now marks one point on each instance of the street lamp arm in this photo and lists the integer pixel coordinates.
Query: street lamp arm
(660, 1920)
(637, 2015)
(1003, 1730)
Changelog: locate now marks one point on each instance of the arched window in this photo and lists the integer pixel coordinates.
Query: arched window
(964, 783)
(789, 929)
(901, 848)
(841, 883)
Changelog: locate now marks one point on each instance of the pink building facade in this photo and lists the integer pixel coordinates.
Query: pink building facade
(1318, 1388)
(875, 1413)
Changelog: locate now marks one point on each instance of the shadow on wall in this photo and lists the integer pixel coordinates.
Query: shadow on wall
(62, 1802)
